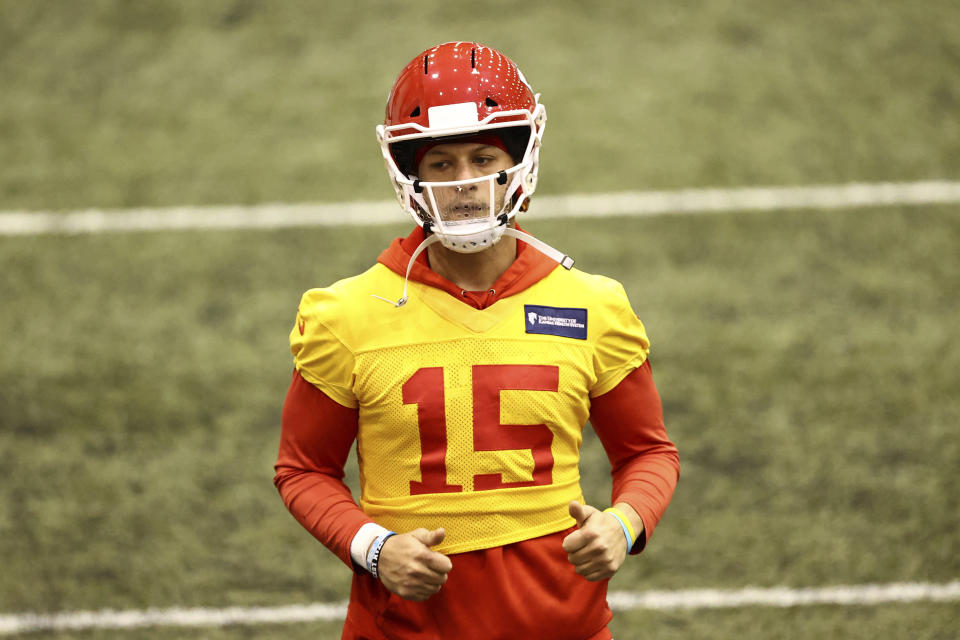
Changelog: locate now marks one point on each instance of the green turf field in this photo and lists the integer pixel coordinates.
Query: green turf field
(116, 104)
(917, 622)
(806, 359)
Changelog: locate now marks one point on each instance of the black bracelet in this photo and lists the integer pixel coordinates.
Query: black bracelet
(373, 557)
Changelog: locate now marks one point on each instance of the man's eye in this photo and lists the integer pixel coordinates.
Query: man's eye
(438, 166)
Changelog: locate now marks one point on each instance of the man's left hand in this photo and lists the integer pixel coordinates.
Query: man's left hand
(598, 547)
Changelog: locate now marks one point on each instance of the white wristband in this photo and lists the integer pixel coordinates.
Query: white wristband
(362, 540)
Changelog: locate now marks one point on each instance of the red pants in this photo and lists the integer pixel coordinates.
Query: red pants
(525, 590)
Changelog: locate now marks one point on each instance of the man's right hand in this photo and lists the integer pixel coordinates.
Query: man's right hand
(409, 568)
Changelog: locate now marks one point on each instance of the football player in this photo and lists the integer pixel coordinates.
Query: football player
(465, 365)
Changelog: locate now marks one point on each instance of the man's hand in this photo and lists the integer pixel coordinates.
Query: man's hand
(598, 547)
(409, 568)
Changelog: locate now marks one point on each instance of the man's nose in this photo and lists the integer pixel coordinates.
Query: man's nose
(466, 171)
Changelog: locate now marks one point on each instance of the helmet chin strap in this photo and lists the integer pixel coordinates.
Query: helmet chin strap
(429, 240)
(565, 261)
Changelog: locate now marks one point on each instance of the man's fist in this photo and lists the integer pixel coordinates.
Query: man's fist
(598, 547)
(409, 568)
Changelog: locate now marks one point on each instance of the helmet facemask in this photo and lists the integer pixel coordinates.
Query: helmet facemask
(470, 214)
(467, 215)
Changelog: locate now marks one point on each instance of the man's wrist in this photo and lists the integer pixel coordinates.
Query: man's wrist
(628, 531)
(362, 541)
(373, 555)
(635, 521)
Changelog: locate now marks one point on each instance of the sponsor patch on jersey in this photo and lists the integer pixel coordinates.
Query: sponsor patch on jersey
(556, 321)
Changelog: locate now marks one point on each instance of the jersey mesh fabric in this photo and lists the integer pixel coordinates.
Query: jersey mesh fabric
(466, 421)
(392, 444)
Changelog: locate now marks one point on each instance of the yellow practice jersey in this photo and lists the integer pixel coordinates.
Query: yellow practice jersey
(469, 419)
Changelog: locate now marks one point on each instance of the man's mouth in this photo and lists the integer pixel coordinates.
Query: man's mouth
(468, 209)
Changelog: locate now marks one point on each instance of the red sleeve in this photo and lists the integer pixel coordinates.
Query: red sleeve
(645, 466)
(315, 440)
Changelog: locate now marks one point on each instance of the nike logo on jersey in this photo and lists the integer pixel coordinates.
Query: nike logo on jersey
(556, 321)
(301, 324)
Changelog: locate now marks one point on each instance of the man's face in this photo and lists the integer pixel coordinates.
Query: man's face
(463, 161)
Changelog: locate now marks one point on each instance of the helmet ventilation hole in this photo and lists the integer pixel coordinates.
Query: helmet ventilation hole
(473, 58)
(490, 102)
(415, 112)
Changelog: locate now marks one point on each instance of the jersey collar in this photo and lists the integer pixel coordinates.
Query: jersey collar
(530, 267)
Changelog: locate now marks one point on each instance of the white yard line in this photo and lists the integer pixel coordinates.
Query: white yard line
(865, 594)
(198, 617)
(631, 203)
(869, 594)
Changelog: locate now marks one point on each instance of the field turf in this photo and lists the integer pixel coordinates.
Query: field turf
(913, 621)
(806, 359)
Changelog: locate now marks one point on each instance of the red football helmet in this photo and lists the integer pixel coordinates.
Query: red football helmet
(455, 92)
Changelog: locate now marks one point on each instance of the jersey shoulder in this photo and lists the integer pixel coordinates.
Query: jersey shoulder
(330, 324)
(619, 339)
(602, 294)
(354, 295)
(348, 307)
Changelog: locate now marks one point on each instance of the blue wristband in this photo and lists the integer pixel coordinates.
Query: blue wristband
(373, 556)
(623, 525)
